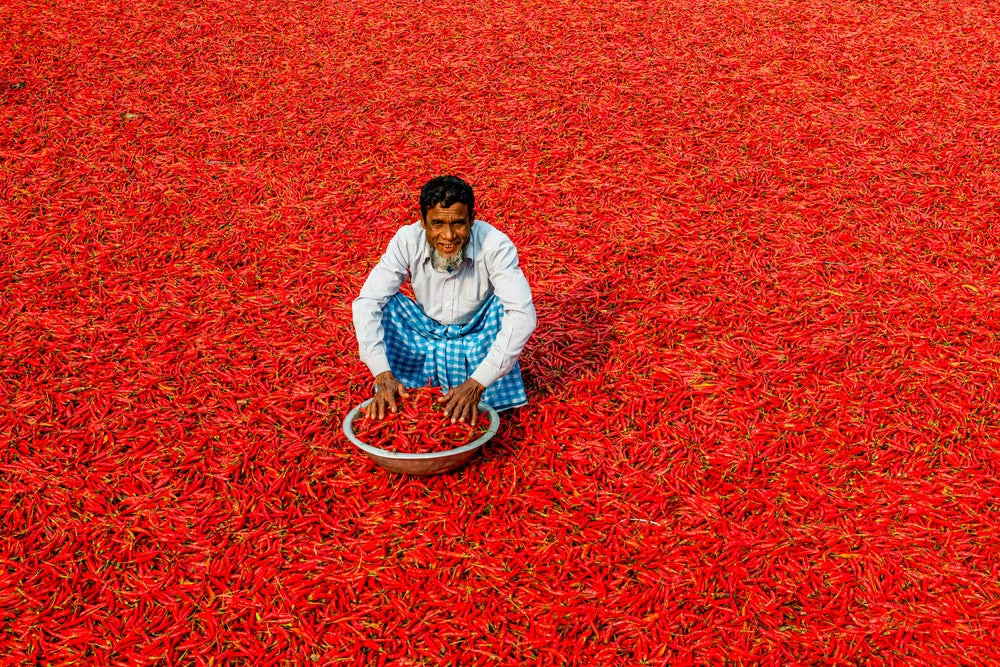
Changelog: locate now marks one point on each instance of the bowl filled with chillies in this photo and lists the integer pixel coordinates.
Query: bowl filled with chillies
(418, 439)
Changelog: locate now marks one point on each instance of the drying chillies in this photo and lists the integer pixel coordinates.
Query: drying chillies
(763, 419)
(419, 426)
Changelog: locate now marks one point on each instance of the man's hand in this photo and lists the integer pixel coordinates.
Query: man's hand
(389, 388)
(461, 403)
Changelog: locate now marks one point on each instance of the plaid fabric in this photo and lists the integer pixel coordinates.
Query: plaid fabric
(420, 349)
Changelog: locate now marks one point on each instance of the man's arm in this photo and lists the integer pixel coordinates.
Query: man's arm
(382, 283)
(519, 320)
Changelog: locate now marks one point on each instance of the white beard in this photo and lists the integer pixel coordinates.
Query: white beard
(448, 264)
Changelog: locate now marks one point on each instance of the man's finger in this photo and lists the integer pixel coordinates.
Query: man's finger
(449, 402)
(463, 409)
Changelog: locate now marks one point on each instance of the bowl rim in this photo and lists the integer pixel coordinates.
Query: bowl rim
(408, 456)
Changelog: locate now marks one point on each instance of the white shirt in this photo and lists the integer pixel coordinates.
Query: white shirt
(490, 267)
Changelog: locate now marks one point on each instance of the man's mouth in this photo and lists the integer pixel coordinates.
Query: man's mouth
(448, 248)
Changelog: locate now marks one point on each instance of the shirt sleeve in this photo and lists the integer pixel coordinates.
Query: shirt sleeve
(519, 319)
(382, 283)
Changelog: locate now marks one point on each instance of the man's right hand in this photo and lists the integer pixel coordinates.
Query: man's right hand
(390, 390)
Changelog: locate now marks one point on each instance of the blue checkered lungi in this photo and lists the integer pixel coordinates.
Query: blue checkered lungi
(421, 350)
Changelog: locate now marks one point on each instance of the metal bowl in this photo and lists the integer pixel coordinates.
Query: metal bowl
(421, 464)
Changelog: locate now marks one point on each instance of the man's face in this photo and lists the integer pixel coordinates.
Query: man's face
(448, 229)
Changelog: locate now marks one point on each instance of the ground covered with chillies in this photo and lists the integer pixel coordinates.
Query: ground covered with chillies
(762, 239)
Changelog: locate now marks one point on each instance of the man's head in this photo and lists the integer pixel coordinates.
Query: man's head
(447, 211)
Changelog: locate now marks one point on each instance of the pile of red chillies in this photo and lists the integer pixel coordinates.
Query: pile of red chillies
(419, 426)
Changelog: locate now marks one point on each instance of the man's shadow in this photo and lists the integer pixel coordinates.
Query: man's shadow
(573, 339)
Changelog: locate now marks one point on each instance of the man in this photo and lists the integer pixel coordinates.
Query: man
(472, 316)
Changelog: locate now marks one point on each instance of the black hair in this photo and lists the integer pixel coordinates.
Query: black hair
(446, 191)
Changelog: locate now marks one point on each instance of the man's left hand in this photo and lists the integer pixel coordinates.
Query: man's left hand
(461, 403)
